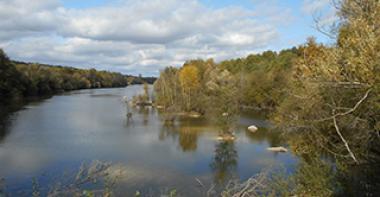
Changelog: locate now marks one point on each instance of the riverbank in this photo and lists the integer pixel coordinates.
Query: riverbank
(20, 79)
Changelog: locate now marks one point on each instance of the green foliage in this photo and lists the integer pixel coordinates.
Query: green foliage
(222, 98)
(314, 177)
(46, 80)
(19, 79)
(224, 163)
(202, 87)
(257, 80)
(9, 80)
(167, 88)
(220, 90)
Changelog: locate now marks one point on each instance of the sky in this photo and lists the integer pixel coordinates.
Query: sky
(145, 36)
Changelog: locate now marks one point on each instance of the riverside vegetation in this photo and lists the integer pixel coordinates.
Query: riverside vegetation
(19, 79)
(324, 98)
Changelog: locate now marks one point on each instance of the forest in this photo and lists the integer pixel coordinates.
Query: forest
(318, 102)
(20, 79)
(324, 98)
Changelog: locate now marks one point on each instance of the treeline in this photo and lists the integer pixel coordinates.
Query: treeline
(19, 79)
(326, 98)
(254, 81)
(206, 87)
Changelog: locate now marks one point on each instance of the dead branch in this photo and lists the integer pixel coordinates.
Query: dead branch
(348, 111)
(344, 140)
(320, 29)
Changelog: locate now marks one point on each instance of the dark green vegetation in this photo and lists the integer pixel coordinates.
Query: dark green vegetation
(325, 98)
(19, 79)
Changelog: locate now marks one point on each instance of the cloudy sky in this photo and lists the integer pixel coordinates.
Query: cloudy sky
(144, 36)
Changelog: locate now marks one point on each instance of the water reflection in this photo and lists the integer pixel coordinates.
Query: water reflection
(364, 179)
(188, 139)
(185, 131)
(225, 162)
(60, 133)
(4, 122)
(7, 114)
(266, 135)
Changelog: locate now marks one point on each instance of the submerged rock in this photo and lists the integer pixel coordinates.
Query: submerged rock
(226, 138)
(159, 106)
(252, 128)
(277, 149)
(194, 115)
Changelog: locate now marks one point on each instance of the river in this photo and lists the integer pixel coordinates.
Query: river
(49, 139)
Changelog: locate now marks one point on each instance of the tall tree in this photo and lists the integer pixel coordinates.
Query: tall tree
(190, 83)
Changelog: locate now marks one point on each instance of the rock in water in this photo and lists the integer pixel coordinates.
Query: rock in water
(277, 149)
(125, 99)
(159, 106)
(226, 138)
(194, 115)
(252, 128)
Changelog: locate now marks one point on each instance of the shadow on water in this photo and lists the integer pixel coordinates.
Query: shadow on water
(5, 116)
(9, 109)
(364, 179)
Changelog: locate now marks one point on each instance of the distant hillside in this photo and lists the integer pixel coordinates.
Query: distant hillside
(21, 79)
(137, 79)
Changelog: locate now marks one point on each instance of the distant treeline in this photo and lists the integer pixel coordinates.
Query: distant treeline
(20, 79)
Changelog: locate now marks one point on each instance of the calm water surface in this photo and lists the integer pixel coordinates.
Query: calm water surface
(53, 137)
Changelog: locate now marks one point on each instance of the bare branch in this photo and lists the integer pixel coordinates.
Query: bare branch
(320, 28)
(348, 111)
(344, 140)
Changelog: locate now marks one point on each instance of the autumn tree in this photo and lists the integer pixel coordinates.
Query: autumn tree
(335, 91)
(190, 83)
(167, 88)
(223, 104)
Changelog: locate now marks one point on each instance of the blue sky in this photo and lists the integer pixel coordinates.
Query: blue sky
(85, 3)
(293, 34)
(147, 35)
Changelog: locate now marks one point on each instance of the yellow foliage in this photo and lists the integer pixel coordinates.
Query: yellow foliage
(189, 78)
(190, 83)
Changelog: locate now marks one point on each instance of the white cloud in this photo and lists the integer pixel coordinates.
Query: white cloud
(130, 36)
(312, 6)
(20, 18)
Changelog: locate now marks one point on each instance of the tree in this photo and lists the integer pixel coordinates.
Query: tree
(190, 83)
(32, 79)
(10, 83)
(167, 88)
(335, 90)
